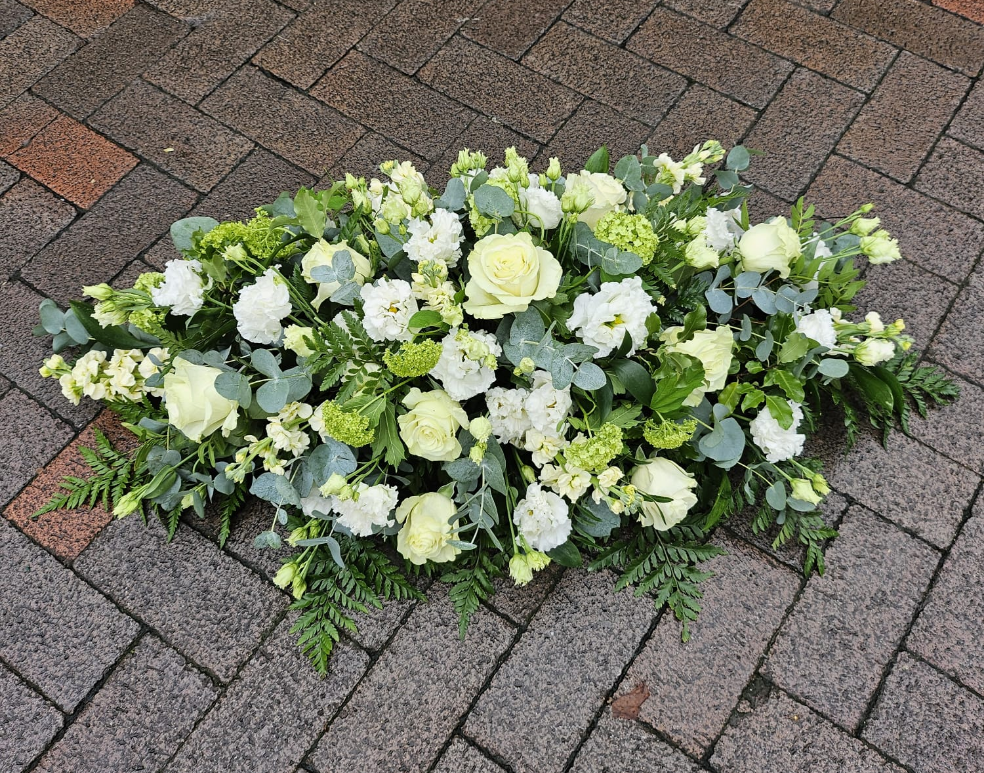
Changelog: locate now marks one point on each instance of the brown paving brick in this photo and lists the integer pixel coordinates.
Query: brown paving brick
(98, 245)
(926, 721)
(955, 174)
(66, 533)
(84, 19)
(392, 103)
(382, 723)
(520, 602)
(462, 758)
(887, 134)
(129, 46)
(815, 41)
(614, 20)
(969, 8)
(968, 126)
(624, 745)
(484, 134)
(512, 26)
(21, 120)
(717, 13)
(958, 345)
(948, 631)
(318, 38)
(762, 205)
(137, 720)
(167, 132)
(74, 161)
(794, 142)
(30, 217)
(931, 234)
(783, 736)
(605, 72)
(834, 646)
(743, 604)
(12, 15)
(495, 85)
(163, 249)
(698, 115)
(559, 661)
(32, 436)
(29, 722)
(708, 56)
(230, 35)
(919, 28)
(414, 30)
(946, 429)
(592, 126)
(255, 104)
(365, 156)
(29, 52)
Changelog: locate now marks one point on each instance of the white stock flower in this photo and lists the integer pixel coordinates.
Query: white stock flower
(542, 207)
(670, 172)
(388, 305)
(439, 239)
(182, 288)
(461, 373)
(507, 412)
(371, 509)
(820, 327)
(570, 483)
(604, 318)
(260, 308)
(546, 406)
(722, 230)
(542, 518)
(777, 443)
(544, 446)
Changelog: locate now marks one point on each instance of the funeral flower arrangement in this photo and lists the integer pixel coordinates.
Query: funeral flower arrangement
(522, 368)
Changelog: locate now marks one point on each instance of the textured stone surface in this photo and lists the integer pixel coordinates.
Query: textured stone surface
(520, 602)
(55, 630)
(968, 8)
(272, 713)
(462, 758)
(365, 156)
(208, 606)
(30, 217)
(958, 345)
(719, 13)
(926, 721)
(624, 746)
(30, 51)
(614, 20)
(592, 126)
(28, 722)
(38, 438)
(968, 125)
(742, 606)
(136, 721)
(834, 646)
(512, 26)
(783, 736)
(955, 174)
(571, 681)
(84, 19)
(700, 114)
(12, 15)
(22, 119)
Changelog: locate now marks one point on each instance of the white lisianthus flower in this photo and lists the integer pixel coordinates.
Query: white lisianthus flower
(662, 478)
(507, 412)
(388, 305)
(873, 351)
(467, 364)
(607, 193)
(182, 288)
(194, 407)
(722, 229)
(439, 239)
(880, 247)
(321, 254)
(714, 350)
(542, 207)
(818, 326)
(294, 340)
(771, 246)
(874, 320)
(508, 272)
(542, 518)
(570, 483)
(777, 443)
(547, 407)
(370, 507)
(427, 528)
(261, 307)
(618, 308)
(430, 427)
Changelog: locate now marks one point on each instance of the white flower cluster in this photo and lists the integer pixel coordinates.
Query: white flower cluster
(98, 376)
(182, 289)
(603, 319)
(467, 364)
(261, 307)
(532, 419)
(388, 305)
(437, 239)
(542, 518)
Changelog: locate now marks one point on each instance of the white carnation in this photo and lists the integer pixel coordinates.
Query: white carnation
(464, 376)
(260, 308)
(373, 508)
(439, 239)
(722, 230)
(315, 503)
(778, 444)
(542, 518)
(820, 327)
(603, 319)
(507, 412)
(542, 207)
(182, 288)
(546, 407)
(388, 305)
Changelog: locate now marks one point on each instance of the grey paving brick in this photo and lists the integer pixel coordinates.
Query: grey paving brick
(29, 52)
(888, 121)
(8, 176)
(255, 104)
(204, 603)
(546, 694)
(624, 746)
(12, 15)
(698, 115)
(365, 156)
(707, 55)
(614, 20)
(834, 646)
(718, 13)
(927, 722)
(955, 174)
(947, 632)
(592, 126)
(28, 721)
(253, 517)
(743, 605)
(462, 758)
(796, 146)
(56, 631)
(762, 206)
(783, 736)
(958, 344)
(5, 386)
(128, 47)
(520, 602)
(30, 217)
(383, 723)
(946, 429)
(484, 134)
(968, 126)
(100, 243)
(167, 132)
(931, 234)
(273, 712)
(605, 72)
(31, 437)
(136, 721)
(512, 26)
(500, 88)
(214, 50)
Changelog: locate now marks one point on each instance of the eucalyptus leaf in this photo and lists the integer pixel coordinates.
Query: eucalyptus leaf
(775, 495)
(719, 301)
(183, 231)
(273, 395)
(52, 318)
(833, 368)
(494, 202)
(453, 198)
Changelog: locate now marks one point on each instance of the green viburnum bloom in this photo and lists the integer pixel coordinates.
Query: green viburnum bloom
(595, 453)
(413, 359)
(149, 281)
(259, 236)
(668, 434)
(630, 233)
(349, 427)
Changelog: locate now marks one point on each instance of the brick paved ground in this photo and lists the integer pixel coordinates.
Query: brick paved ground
(121, 653)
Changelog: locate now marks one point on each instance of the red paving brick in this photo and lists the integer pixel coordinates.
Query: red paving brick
(972, 9)
(85, 18)
(74, 161)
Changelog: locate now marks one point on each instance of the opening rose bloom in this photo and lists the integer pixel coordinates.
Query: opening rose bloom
(508, 272)
(714, 350)
(663, 478)
(607, 196)
(426, 529)
(430, 426)
(193, 405)
(321, 254)
(771, 246)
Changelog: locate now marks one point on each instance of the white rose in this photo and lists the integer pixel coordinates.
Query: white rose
(777, 443)
(182, 288)
(771, 246)
(542, 518)
(193, 406)
(322, 254)
(261, 307)
(818, 326)
(427, 527)
(430, 427)
(714, 350)
(607, 192)
(388, 305)
(873, 351)
(662, 478)
(542, 207)
(508, 272)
